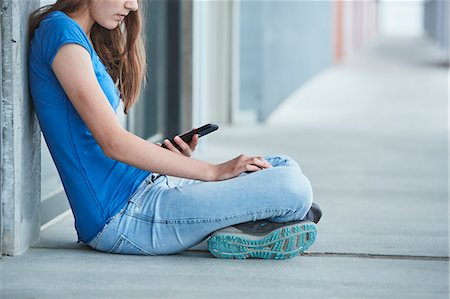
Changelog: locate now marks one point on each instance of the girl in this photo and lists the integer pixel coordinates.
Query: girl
(86, 56)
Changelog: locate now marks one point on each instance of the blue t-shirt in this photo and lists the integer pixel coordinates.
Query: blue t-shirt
(97, 187)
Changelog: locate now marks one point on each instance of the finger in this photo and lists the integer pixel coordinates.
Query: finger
(186, 150)
(251, 168)
(158, 143)
(258, 162)
(266, 163)
(171, 147)
(194, 142)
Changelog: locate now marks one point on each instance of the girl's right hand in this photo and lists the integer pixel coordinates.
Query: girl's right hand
(238, 165)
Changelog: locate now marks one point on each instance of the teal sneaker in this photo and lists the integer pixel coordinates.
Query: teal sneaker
(263, 239)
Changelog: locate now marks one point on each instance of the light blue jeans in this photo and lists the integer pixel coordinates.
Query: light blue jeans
(164, 218)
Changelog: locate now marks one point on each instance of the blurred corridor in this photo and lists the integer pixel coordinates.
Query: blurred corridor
(372, 136)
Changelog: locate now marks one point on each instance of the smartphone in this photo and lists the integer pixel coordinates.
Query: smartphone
(187, 137)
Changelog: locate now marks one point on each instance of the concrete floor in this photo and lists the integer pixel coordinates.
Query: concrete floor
(371, 134)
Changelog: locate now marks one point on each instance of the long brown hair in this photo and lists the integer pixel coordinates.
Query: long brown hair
(121, 49)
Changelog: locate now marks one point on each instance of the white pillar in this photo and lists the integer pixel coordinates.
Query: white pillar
(213, 62)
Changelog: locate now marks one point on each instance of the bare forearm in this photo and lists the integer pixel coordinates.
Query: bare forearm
(135, 151)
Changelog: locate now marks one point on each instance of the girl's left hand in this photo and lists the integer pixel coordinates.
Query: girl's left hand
(186, 149)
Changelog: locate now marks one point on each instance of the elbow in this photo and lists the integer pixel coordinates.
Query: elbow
(109, 152)
(111, 146)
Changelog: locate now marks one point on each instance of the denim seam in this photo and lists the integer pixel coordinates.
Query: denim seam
(140, 192)
(121, 242)
(208, 220)
(102, 231)
(144, 183)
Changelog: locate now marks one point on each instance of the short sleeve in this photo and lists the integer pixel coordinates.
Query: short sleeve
(59, 31)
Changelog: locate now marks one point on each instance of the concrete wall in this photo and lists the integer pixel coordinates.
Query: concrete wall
(20, 144)
(283, 43)
(436, 21)
(1, 97)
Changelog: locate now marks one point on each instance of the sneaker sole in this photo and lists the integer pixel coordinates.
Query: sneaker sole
(282, 243)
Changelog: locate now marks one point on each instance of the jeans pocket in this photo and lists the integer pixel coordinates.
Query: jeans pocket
(124, 245)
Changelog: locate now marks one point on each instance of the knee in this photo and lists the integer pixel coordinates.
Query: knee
(298, 189)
